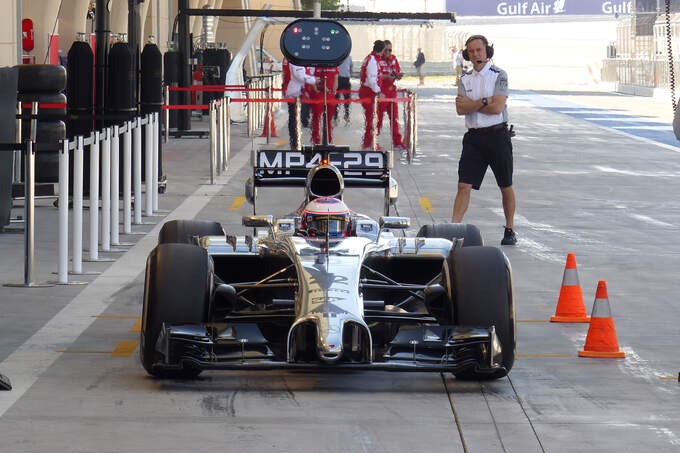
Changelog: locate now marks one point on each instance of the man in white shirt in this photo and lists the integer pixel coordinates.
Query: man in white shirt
(293, 89)
(482, 97)
(370, 89)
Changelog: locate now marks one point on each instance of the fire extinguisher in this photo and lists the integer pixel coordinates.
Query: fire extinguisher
(27, 35)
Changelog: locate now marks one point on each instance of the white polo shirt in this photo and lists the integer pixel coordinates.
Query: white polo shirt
(488, 82)
(298, 79)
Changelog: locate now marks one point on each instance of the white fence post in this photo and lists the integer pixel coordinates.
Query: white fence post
(115, 186)
(138, 171)
(78, 207)
(155, 132)
(106, 191)
(62, 267)
(148, 166)
(127, 173)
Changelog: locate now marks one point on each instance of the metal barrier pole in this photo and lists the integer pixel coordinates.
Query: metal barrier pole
(213, 140)
(167, 114)
(249, 111)
(94, 197)
(106, 191)
(127, 173)
(115, 186)
(415, 122)
(374, 124)
(148, 166)
(17, 154)
(219, 129)
(298, 122)
(227, 121)
(268, 118)
(62, 267)
(137, 158)
(77, 233)
(154, 188)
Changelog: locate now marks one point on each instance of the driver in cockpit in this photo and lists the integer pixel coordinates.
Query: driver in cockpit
(326, 215)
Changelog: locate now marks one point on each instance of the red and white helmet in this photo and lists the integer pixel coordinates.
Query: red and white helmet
(326, 215)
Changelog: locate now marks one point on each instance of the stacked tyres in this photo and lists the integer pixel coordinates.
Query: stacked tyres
(44, 84)
(80, 94)
(122, 90)
(216, 58)
(171, 63)
(151, 93)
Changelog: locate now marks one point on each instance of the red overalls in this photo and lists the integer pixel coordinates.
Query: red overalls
(389, 66)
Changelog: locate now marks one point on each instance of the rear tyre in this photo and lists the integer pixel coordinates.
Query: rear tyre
(469, 233)
(184, 231)
(176, 290)
(481, 279)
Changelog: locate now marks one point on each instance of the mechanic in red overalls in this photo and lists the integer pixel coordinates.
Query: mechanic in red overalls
(370, 88)
(330, 75)
(389, 72)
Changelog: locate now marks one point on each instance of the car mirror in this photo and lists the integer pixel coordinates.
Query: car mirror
(394, 191)
(394, 223)
(257, 221)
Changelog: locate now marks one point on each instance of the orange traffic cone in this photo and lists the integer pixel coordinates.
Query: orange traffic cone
(601, 339)
(570, 306)
(269, 123)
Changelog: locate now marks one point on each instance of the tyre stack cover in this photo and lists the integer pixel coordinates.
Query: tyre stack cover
(44, 83)
(80, 94)
(219, 58)
(171, 67)
(151, 91)
(8, 96)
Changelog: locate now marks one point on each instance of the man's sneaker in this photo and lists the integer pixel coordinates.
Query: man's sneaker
(509, 238)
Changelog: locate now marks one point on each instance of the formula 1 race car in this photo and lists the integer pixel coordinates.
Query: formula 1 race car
(325, 287)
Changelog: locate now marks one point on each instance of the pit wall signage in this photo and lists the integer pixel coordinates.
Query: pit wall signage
(538, 7)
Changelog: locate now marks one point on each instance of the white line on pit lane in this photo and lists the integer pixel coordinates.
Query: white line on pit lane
(647, 128)
(30, 360)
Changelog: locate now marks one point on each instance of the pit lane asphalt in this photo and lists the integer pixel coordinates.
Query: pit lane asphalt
(608, 197)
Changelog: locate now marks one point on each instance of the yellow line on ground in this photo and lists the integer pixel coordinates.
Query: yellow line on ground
(125, 349)
(115, 317)
(281, 142)
(84, 351)
(238, 202)
(675, 378)
(532, 320)
(137, 327)
(426, 205)
(544, 355)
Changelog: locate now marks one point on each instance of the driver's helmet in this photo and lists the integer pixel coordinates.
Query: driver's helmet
(326, 215)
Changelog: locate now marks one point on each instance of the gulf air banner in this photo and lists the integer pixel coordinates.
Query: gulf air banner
(537, 7)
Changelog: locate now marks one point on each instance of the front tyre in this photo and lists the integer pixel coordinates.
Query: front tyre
(176, 290)
(469, 233)
(481, 280)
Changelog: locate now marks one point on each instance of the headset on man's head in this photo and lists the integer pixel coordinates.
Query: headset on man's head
(489, 49)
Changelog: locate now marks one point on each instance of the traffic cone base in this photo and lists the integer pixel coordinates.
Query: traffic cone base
(603, 355)
(578, 319)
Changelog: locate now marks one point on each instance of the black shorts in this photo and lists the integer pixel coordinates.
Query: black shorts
(483, 149)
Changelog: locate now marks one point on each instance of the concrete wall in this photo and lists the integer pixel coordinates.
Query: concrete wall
(8, 33)
(44, 16)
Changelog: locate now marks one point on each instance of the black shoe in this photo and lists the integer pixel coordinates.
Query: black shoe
(509, 238)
